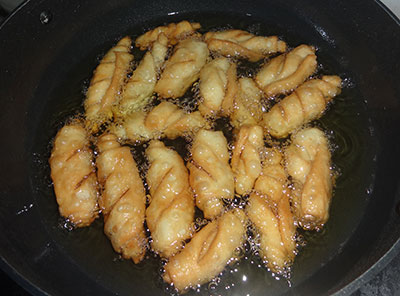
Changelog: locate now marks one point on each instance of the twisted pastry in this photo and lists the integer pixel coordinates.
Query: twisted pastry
(232, 88)
(182, 68)
(213, 85)
(308, 162)
(247, 109)
(306, 103)
(275, 226)
(164, 120)
(246, 157)
(273, 180)
(123, 199)
(210, 177)
(74, 176)
(174, 32)
(171, 211)
(106, 84)
(243, 44)
(285, 72)
(209, 251)
(139, 89)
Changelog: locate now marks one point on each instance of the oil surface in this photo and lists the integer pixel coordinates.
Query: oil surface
(345, 122)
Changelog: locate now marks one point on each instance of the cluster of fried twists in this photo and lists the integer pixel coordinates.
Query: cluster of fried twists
(120, 110)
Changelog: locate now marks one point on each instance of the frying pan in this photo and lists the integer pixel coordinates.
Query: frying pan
(48, 52)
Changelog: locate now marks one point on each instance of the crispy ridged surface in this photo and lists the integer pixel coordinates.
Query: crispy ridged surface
(306, 103)
(285, 72)
(173, 31)
(123, 199)
(164, 120)
(211, 177)
(213, 86)
(170, 214)
(139, 89)
(107, 81)
(182, 68)
(308, 162)
(209, 251)
(246, 157)
(74, 176)
(243, 44)
(247, 109)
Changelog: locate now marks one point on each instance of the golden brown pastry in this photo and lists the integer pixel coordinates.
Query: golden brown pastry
(106, 84)
(306, 103)
(123, 198)
(308, 162)
(232, 89)
(74, 175)
(243, 44)
(273, 180)
(164, 120)
(138, 91)
(275, 226)
(174, 32)
(285, 72)
(246, 157)
(209, 251)
(213, 85)
(182, 68)
(170, 214)
(210, 177)
(247, 109)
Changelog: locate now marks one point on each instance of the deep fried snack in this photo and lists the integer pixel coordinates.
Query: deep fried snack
(209, 251)
(232, 89)
(246, 157)
(210, 177)
(306, 103)
(238, 43)
(123, 199)
(182, 68)
(285, 72)
(164, 120)
(174, 32)
(247, 109)
(139, 89)
(275, 226)
(107, 81)
(170, 214)
(308, 162)
(74, 175)
(273, 180)
(213, 85)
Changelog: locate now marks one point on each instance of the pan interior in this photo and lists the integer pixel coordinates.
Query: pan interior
(347, 124)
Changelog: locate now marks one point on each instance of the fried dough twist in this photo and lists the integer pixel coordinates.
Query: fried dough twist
(74, 175)
(308, 162)
(247, 109)
(123, 199)
(171, 211)
(210, 177)
(213, 86)
(246, 157)
(306, 103)
(107, 81)
(173, 31)
(182, 68)
(209, 251)
(138, 91)
(164, 120)
(238, 43)
(285, 72)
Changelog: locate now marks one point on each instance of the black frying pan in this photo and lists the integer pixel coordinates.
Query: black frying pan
(48, 52)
